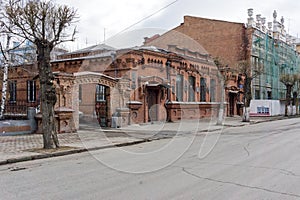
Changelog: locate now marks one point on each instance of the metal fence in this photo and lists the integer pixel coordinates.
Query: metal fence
(18, 109)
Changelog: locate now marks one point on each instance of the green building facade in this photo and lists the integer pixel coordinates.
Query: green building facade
(273, 54)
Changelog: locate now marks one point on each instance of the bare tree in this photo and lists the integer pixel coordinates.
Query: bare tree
(44, 24)
(223, 77)
(289, 80)
(4, 65)
(296, 92)
(249, 73)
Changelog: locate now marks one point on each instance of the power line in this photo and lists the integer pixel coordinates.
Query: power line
(145, 18)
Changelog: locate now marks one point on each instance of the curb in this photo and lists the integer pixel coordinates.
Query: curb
(69, 152)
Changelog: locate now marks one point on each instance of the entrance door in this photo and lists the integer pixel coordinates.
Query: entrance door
(153, 104)
(231, 103)
(101, 105)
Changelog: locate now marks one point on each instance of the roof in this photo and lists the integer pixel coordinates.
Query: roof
(96, 47)
(101, 55)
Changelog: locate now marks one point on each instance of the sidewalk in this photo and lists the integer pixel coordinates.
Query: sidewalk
(29, 147)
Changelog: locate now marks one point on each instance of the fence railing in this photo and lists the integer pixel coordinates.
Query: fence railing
(18, 109)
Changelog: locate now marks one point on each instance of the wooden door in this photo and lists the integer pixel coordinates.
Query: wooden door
(153, 104)
(101, 105)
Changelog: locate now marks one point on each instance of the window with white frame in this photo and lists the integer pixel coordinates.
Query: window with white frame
(100, 93)
(31, 91)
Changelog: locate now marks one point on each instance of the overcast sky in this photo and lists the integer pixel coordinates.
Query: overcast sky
(114, 16)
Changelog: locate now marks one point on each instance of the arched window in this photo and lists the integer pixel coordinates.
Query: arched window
(179, 87)
(192, 83)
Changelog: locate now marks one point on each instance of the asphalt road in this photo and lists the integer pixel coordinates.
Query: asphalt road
(260, 161)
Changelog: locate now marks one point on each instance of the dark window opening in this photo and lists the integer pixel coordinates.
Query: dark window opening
(202, 89)
(12, 91)
(212, 90)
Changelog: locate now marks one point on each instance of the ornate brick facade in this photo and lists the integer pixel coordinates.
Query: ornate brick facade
(136, 85)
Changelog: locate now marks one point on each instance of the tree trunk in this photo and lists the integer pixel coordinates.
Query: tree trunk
(297, 105)
(247, 99)
(47, 96)
(5, 78)
(288, 98)
(246, 114)
(4, 89)
(220, 120)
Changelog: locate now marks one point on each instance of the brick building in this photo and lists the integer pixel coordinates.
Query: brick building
(267, 47)
(147, 83)
(225, 41)
(126, 86)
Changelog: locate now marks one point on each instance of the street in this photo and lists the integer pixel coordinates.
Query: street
(259, 161)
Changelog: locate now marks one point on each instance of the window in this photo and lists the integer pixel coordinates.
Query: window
(257, 94)
(202, 89)
(100, 93)
(212, 90)
(269, 93)
(12, 91)
(179, 87)
(31, 91)
(191, 88)
(133, 80)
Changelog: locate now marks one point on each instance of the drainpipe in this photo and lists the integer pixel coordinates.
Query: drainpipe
(145, 101)
(168, 65)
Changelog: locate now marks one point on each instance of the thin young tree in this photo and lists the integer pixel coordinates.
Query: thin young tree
(289, 80)
(4, 66)
(223, 78)
(249, 73)
(296, 92)
(5, 62)
(46, 25)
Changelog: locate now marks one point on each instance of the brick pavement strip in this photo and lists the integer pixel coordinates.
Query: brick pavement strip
(22, 148)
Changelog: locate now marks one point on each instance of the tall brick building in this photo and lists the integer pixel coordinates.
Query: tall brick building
(228, 41)
(225, 41)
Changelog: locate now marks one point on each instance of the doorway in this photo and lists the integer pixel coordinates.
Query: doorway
(232, 100)
(101, 107)
(153, 106)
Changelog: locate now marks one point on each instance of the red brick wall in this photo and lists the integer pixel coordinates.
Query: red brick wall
(222, 39)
